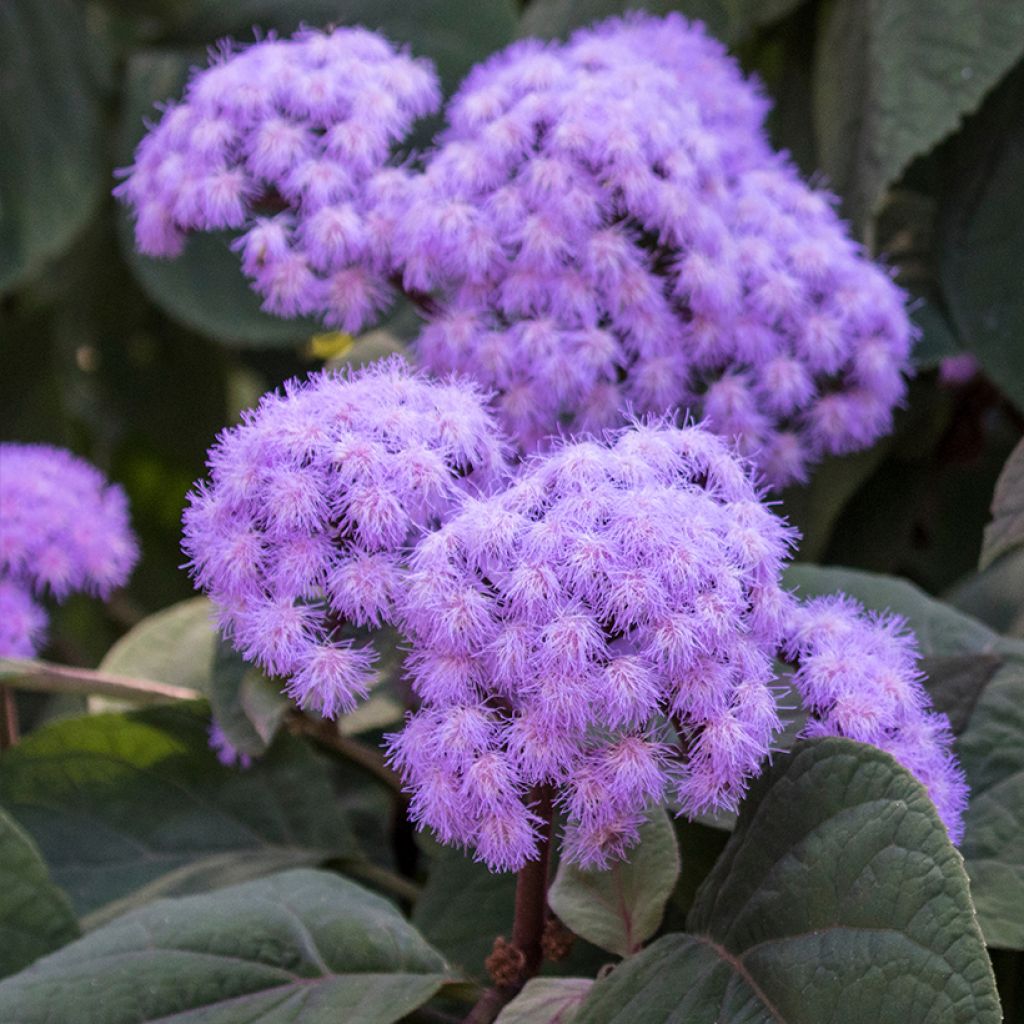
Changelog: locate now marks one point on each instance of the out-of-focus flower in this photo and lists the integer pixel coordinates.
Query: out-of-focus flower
(559, 626)
(63, 528)
(858, 677)
(311, 503)
(287, 141)
(227, 753)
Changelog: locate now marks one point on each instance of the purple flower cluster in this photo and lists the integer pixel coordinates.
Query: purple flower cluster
(609, 230)
(858, 677)
(288, 140)
(63, 528)
(605, 626)
(310, 505)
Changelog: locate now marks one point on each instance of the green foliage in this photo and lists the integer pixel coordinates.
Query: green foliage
(838, 896)
(129, 807)
(35, 916)
(621, 908)
(302, 945)
(894, 77)
(991, 741)
(1006, 531)
(547, 1001)
(50, 180)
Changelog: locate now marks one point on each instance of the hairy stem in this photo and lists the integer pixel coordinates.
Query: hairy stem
(522, 961)
(8, 718)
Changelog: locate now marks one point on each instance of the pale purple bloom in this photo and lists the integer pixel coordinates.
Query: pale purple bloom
(63, 528)
(956, 371)
(858, 677)
(608, 230)
(286, 143)
(559, 626)
(312, 501)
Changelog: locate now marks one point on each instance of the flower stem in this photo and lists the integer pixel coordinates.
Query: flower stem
(8, 718)
(520, 962)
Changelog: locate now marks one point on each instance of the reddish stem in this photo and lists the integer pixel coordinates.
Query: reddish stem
(523, 959)
(8, 718)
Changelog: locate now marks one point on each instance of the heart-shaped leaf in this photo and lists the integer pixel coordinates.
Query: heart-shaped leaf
(129, 807)
(621, 908)
(35, 916)
(302, 945)
(838, 897)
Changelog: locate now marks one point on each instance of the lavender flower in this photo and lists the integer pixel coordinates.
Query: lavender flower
(559, 626)
(63, 528)
(858, 677)
(608, 229)
(288, 141)
(310, 505)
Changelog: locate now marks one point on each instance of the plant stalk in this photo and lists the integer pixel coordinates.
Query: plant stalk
(8, 718)
(527, 952)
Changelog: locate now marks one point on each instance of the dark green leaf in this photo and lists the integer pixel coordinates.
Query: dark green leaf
(35, 916)
(991, 750)
(547, 1001)
(621, 908)
(129, 807)
(838, 897)
(463, 908)
(302, 945)
(981, 227)
(955, 682)
(1006, 531)
(894, 77)
(994, 595)
(731, 20)
(52, 164)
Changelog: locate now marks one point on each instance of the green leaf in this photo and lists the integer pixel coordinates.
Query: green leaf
(463, 907)
(302, 945)
(129, 807)
(621, 908)
(247, 706)
(990, 748)
(35, 916)
(52, 165)
(731, 20)
(894, 77)
(1006, 531)
(546, 1001)
(991, 751)
(176, 646)
(995, 596)
(955, 682)
(981, 229)
(838, 897)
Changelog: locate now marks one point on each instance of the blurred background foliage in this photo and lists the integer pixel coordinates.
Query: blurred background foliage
(911, 110)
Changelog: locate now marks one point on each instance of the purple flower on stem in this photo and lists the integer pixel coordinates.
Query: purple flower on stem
(311, 503)
(63, 528)
(607, 229)
(858, 677)
(287, 141)
(560, 626)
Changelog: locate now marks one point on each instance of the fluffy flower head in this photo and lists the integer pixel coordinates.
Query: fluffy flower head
(299, 534)
(609, 230)
(287, 141)
(63, 528)
(560, 626)
(857, 676)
